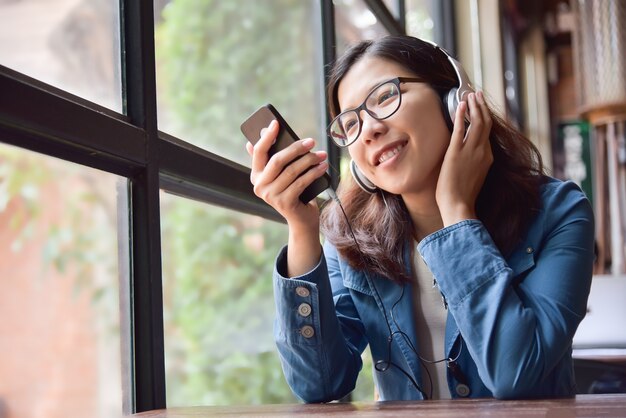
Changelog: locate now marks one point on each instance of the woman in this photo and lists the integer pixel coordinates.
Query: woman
(463, 267)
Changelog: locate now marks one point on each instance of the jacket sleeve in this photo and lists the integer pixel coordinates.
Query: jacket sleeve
(517, 333)
(320, 350)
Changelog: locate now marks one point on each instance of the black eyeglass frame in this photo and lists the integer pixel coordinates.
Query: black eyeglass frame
(396, 81)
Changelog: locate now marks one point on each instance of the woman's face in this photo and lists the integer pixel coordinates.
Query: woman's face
(403, 153)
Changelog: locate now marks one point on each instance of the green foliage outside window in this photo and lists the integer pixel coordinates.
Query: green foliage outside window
(217, 62)
(219, 306)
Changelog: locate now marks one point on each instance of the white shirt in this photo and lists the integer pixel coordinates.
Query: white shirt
(430, 321)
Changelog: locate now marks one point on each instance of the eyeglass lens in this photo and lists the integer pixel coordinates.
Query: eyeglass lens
(379, 104)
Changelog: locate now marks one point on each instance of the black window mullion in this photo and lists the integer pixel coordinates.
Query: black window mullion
(401, 5)
(147, 302)
(44, 119)
(329, 55)
(444, 25)
(384, 16)
(196, 173)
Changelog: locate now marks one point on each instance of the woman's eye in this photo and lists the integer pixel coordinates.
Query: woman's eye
(386, 96)
(349, 125)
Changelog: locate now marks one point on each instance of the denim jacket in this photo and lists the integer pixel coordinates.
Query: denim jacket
(510, 320)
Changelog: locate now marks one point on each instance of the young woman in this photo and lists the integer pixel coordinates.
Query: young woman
(463, 267)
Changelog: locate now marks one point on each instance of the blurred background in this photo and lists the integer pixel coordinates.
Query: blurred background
(556, 69)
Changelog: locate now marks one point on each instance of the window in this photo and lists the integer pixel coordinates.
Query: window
(420, 20)
(72, 45)
(218, 305)
(125, 197)
(354, 21)
(59, 302)
(217, 65)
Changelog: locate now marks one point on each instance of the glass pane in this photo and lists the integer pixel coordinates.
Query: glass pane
(420, 19)
(70, 44)
(59, 299)
(218, 61)
(354, 22)
(219, 306)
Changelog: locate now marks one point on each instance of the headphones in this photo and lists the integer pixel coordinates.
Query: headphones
(451, 101)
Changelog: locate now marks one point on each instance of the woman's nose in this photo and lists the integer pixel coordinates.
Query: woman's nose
(371, 128)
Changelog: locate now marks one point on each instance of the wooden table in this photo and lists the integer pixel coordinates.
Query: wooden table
(581, 406)
(605, 355)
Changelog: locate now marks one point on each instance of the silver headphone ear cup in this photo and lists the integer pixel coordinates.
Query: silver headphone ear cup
(451, 104)
(361, 180)
(458, 94)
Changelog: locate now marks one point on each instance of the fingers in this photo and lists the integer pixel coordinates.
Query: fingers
(292, 173)
(260, 150)
(458, 133)
(295, 188)
(484, 109)
(283, 191)
(475, 130)
(281, 178)
(285, 160)
(272, 166)
(263, 162)
(479, 122)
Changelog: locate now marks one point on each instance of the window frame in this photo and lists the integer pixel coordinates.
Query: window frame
(50, 121)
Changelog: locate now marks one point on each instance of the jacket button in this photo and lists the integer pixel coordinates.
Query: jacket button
(302, 291)
(529, 250)
(304, 309)
(307, 331)
(462, 390)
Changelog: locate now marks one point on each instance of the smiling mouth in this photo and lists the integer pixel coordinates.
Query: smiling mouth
(390, 153)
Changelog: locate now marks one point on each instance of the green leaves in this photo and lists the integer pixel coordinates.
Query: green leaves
(219, 308)
(216, 65)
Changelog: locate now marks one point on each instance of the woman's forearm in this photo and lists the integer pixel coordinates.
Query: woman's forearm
(303, 250)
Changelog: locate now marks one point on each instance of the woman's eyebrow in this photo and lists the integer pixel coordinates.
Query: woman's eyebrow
(370, 88)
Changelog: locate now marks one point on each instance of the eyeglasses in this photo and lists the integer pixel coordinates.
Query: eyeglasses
(382, 102)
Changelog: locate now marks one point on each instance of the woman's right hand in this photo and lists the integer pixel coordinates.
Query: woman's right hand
(279, 180)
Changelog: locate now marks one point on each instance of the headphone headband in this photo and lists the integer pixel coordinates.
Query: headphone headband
(457, 95)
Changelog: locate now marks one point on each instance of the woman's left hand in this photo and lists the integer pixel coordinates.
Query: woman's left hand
(466, 162)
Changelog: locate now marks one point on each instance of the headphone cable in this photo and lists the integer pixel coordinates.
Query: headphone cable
(383, 365)
(380, 365)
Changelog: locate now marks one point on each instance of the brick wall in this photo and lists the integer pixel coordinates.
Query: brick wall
(49, 347)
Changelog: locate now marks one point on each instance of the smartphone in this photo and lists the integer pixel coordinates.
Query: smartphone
(251, 129)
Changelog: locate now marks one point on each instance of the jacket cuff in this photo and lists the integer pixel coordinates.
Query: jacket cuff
(297, 303)
(453, 253)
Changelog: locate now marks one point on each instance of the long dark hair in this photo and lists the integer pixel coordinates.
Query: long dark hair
(381, 223)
